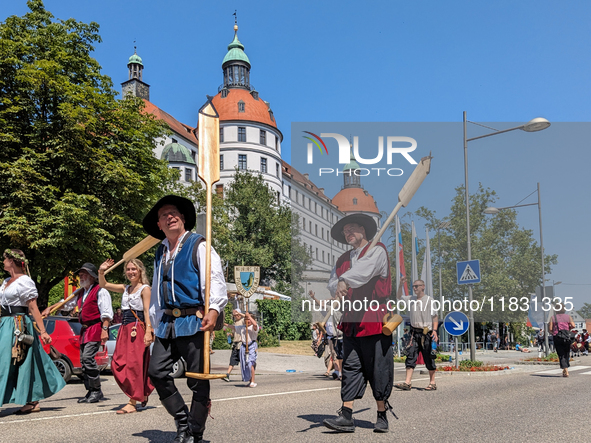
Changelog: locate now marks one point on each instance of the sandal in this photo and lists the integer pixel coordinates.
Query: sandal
(403, 386)
(431, 387)
(127, 411)
(144, 403)
(327, 374)
(565, 372)
(32, 406)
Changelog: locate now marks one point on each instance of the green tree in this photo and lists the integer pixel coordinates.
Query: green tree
(510, 258)
(77, 173)
(585, 310)
(260, 230)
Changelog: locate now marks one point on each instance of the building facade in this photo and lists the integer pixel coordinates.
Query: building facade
(251, 140)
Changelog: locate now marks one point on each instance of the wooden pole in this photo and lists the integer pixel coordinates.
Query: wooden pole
(209, 172)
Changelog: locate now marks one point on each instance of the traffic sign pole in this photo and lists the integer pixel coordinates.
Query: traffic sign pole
(457, 357)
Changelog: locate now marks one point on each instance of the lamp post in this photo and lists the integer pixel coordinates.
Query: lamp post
(537, 124)
(493, 211)
(442, 225)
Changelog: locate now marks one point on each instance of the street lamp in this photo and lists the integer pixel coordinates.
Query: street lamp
(493, 211)
(537, 124)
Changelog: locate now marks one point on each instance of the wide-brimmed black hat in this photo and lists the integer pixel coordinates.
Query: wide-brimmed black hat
(361, 219)
(184, 206)
(90, 268)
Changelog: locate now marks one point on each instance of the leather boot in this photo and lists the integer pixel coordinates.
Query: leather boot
(175, 406)
(382, 422)
(197, 419)
(95, 396)
(83, 399)
(343, 423)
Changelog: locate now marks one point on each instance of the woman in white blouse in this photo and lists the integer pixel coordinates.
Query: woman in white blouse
(132, 350)
(27, 374)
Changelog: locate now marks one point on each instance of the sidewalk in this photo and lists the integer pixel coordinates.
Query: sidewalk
(269, 363)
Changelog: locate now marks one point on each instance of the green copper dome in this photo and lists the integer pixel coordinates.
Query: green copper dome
(352, 163)
(135, 59)
(236, 51)
(175, 152)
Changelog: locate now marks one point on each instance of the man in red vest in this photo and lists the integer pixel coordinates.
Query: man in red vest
(361, 279)
(94, 305)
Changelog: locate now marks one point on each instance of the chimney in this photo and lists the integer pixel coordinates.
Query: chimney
(307, 176)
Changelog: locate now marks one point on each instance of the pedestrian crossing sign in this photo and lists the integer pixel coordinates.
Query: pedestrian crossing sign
(468, 272)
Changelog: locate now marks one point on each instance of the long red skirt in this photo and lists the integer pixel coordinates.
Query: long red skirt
(130, 363)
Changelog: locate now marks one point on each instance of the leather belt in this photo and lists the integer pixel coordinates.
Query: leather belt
(11, 311)
(177, 312)
(89, 323)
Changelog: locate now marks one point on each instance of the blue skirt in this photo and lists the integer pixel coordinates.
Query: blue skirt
(245, 366)
(35, 378)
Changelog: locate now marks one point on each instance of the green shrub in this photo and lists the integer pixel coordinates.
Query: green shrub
(220, 341)
(266, 340)
(470, 364)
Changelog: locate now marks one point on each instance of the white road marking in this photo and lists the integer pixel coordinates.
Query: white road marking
(213, 401)
(559, 371)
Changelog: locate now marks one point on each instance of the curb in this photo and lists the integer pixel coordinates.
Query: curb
(477, 374)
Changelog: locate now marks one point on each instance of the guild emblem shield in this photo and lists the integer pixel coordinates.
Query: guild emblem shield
(247, 279)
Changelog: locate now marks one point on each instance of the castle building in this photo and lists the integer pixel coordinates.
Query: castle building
(251, 140)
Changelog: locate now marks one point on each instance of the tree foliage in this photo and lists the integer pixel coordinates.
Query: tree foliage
(585, 310)
(510, 258)
(77, 173)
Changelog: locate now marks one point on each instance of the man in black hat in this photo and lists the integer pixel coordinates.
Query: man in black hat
(361, 277)
(96, 312)
(177, 308)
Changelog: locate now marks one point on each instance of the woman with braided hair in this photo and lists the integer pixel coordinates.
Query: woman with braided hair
(27, 374)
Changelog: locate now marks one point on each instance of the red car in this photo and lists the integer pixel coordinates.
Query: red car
(65, 336)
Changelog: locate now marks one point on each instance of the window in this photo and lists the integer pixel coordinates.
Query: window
(316, 253)
(322, 256)
(333, 260)
(276, 143)
(305, 249)
(219, 190)
(241, 134)
(278, 197)
(315, 211)
(263, 164)
(316, 230)
(263, 137)
(240, 106)
(277, 169)
(304, 224)
(310, 225)
(188, 175)
(221, 162)
(322, 233)
(174, 140)
(221, 135)
(242, 161)
(354, 201)
(289, 192)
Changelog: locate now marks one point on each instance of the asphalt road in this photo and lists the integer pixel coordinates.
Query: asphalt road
(516, 407)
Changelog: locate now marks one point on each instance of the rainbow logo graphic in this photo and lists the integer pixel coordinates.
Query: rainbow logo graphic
(315, 142)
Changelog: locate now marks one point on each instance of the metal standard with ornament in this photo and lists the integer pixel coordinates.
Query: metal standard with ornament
(252, 275)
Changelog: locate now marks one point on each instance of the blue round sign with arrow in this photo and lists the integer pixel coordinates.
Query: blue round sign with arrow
(456, 323)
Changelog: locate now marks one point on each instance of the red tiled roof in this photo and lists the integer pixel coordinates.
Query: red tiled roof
(181, 129)
(365, 202)
(295, 175)
(254, 110)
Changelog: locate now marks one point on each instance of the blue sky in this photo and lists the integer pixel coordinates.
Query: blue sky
(390, 61)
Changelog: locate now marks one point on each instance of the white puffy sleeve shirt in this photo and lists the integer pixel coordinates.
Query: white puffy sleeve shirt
(19, 292)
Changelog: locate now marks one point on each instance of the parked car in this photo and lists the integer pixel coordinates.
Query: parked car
(178, 369)
(65, 336)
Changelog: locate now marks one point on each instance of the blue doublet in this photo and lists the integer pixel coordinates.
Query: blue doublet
(179, 287)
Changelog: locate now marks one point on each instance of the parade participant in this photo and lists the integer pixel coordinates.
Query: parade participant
(236, 343)
(559, 326)
(96, 313)
(423, 323)
(361, 275)
(118, 317)
(248, 366)
(132, 351)
(176, 310)
(27, 374)
(331, 360)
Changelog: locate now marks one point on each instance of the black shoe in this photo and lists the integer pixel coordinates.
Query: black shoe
(343, 423)
(83, 399)
(382, 422)
(95, 397)
(183, 436)
(197, 438)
